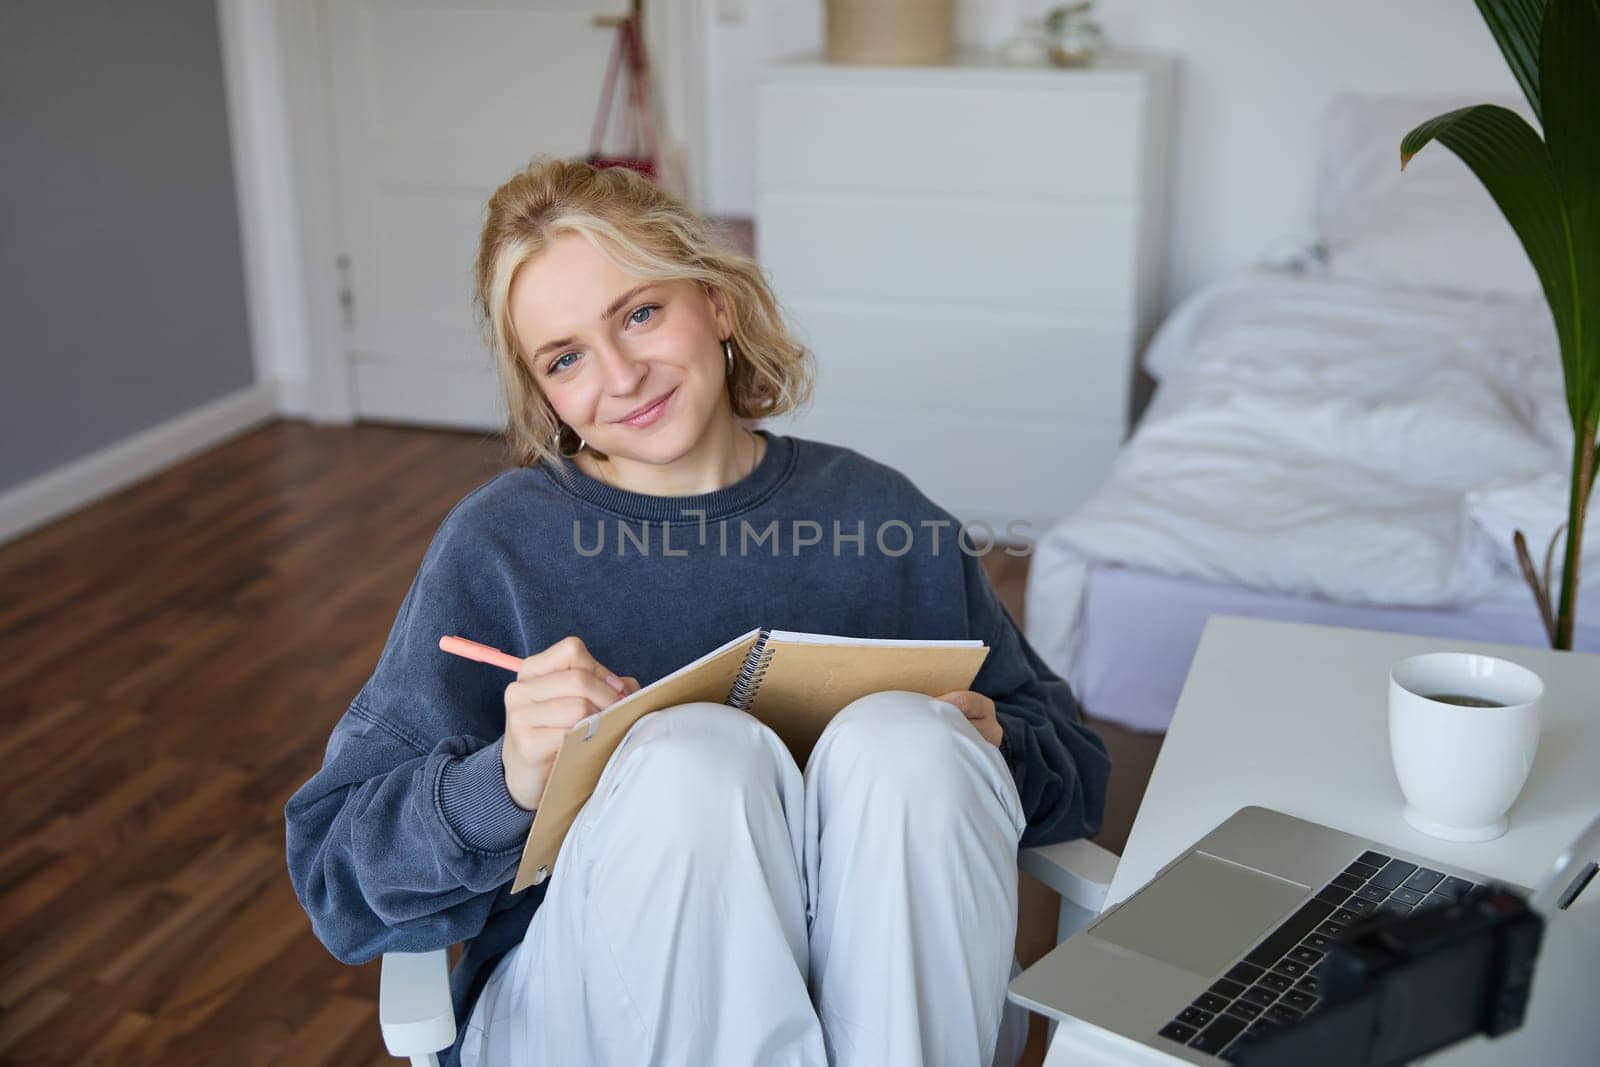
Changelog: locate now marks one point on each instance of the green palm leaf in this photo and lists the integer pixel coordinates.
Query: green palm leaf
(1571, 72)
(1513, 164)
(1515, 25)
(1549, 190)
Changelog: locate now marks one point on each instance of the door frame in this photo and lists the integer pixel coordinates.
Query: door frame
(277, 67)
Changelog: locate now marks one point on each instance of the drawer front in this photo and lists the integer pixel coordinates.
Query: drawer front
(1041, 254)
(1082, 143)
(994, 470)
(953, 362)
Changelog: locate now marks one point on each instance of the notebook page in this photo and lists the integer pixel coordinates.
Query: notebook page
(797, 638)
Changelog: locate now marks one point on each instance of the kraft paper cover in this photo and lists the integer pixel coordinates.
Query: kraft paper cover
(803, 687)
(579, 763)
(806, 685)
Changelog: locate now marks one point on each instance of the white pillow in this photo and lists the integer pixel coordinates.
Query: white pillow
(1433, 226)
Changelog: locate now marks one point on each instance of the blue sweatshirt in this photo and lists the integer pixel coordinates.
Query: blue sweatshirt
(407, 839)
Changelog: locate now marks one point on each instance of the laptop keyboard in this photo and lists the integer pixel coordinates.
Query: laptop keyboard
(1277, 981)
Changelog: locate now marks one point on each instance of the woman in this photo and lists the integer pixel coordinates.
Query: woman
(711, 904)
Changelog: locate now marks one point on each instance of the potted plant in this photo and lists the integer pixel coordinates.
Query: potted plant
(1549, 190)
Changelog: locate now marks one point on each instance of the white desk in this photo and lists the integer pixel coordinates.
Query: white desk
(1295, 717)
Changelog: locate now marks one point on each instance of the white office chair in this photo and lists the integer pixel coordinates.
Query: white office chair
(419, 1020)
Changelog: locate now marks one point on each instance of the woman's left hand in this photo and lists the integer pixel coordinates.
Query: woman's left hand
(979, 710)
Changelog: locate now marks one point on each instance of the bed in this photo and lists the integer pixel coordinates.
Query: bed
(1349, 442)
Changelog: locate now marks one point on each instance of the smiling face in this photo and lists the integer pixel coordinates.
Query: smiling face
(606, 348)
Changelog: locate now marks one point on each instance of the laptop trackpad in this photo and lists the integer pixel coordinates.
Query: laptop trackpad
(1201, 914)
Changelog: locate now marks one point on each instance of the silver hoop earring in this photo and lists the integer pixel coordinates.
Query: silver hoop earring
(562, 432)
(727, 350)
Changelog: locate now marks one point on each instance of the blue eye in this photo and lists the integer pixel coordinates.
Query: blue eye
(562, 362)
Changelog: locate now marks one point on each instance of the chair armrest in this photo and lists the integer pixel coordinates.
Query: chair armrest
(414, 1007)
(1081, 871)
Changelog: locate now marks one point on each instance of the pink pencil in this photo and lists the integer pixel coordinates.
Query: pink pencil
(460, 646)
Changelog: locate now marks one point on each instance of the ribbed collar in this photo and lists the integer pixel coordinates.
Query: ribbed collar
(773, 470)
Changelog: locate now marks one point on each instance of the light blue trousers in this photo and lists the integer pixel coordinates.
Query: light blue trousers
(713, 907)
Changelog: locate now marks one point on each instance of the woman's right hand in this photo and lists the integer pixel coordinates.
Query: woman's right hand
(554, 690)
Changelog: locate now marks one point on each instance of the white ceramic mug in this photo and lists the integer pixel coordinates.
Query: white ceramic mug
(1460, 767)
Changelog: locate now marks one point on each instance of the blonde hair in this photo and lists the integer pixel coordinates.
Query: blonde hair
(644, 231)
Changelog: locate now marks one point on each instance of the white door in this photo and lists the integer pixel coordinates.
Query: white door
(435, 103)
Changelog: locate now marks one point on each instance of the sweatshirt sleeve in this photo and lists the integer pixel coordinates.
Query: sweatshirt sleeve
(406, 838)
(1060, 766)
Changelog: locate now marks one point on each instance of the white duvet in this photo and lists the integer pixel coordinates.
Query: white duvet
(1328, 439)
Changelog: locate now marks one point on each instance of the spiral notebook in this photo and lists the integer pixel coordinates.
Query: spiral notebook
(793, 682)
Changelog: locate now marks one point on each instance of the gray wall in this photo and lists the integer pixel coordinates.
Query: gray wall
(121, 286)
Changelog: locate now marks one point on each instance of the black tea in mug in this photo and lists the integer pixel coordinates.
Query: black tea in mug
(1462, 700)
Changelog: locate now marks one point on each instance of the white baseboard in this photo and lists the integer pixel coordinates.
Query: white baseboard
(83, 481)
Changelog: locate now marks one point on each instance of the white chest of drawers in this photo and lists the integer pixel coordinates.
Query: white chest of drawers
(973, 252)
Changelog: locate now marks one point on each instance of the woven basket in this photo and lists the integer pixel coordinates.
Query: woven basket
(899, 32)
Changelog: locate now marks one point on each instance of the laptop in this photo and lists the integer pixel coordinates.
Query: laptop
(1227, 940)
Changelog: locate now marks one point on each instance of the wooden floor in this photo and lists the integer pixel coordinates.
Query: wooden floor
(175, 657)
